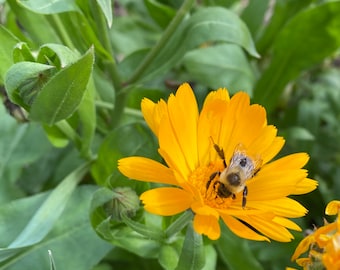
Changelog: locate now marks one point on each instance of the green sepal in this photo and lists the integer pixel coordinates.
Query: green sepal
(24, 81)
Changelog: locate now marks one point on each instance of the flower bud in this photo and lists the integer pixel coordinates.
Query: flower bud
(124, 201)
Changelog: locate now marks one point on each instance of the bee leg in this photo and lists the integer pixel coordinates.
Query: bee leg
(244, 198)
(212, 178)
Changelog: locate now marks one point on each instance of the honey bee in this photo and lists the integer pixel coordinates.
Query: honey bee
(233, 178)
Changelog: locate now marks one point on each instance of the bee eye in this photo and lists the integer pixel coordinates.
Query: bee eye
(243, 162)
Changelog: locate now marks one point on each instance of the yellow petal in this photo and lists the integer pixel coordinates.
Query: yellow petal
(285, 207)
(207, 225)
(231, 133)
(273, 185)
(211, 126)
(242, 230)
(238, 210)
(333, 208)
(166, 201)
(249, 125)
(178, 132)
(204, 210)
(304, 262)
(293, 161)
(268, 228)
(219, 94)
(287, 223)
(305, 186)
(153, 113)
(269, 153)
(183, 115)
(145, 169)
(265, 140)
(324, 231)
(303, 246)
(239, 102)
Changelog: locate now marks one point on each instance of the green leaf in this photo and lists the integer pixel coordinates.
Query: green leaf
(24, 81)
(106, 7)
(168, 257)
(30, 20)
(11, 226)
(210, 66)
(283, 11)
(25, 208)
(129, 34)
(218, 24)
(87, 117)
(22, 52)
(50, 6)
(57, 55)
(254, 15)
(211, 255)
(55, 136)
(235, 251)
(192, 254)
(20, 145)
(8, 41)
(160, 13)
(80, 33)
(71, 239)
(61, 95)
(127, 140)
(306, 40)
(45, 217)
(206, 25)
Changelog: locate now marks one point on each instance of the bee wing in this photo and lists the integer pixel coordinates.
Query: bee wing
(253, 164)
(257, 163)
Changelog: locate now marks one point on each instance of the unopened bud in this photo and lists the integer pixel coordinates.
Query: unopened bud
(125, 201)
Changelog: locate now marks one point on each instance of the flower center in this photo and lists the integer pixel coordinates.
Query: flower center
(206, 180)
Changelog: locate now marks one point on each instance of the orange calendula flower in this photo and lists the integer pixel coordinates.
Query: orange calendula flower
(323, 245)
(218, 165)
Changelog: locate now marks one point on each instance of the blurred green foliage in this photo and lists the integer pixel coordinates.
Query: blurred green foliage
(72, 75)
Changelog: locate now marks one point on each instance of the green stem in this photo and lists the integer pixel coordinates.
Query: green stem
(103, 104)
(109, 106)
(118, 109)
(63, 33)
(111, 66)
(184, 9)
(179, 224)
(133, 112)
(69, 132)
(105, 40)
